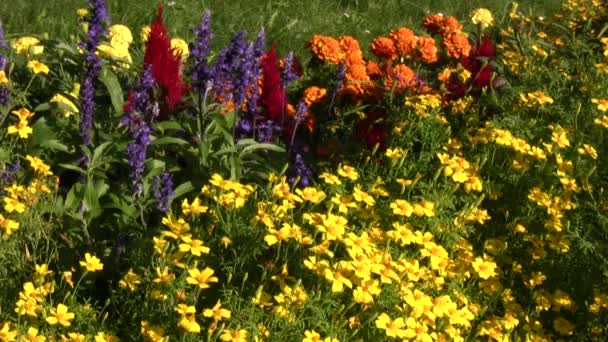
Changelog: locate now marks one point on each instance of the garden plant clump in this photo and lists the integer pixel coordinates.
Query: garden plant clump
(446, 182)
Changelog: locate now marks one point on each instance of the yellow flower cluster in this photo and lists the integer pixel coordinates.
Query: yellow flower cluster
(423, 105)
(118, 46)
(28, 46)
(17, 197)
(227, 193)
(461, 171)
(534, 99)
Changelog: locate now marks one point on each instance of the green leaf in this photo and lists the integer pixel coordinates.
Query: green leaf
(73, 168)
(182, 189)
(98, 153)
(167, 125)
(54, 144)
(91, 198)
(41, 133)
(169, 140)
(42, 107)
(262, 146)
(110, 80)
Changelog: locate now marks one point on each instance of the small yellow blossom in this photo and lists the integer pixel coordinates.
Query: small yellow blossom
(38, 67)
(91, 263)
(60, 315)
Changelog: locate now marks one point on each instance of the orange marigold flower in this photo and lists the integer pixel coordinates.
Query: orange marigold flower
(314, 95)
(450, 26)
(384, 47)
(350, 47)
(444, 75)
(433, 23)
(405, 41)
(427, 51)
(457, 45)
(439, 24)
(326, 49)
(373, 70)
(401, 77)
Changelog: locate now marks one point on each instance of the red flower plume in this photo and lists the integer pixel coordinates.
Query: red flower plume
(272, 91)
(165, 62)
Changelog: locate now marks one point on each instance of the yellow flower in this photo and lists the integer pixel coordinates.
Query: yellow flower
(66, 107)
(390, 327)
(91, 263)
(195, 247)
(67, 276)
(105, 337)
(144, 33)
(217, 312)
(38, 67)
(337, 279)
(22, 128)
(120, 34)
(60, 315)
(23, 114)
(130, 281)
(482, 17)
(202, 279)
(484, 267)
(181, 47)
(28, 45)
(588, 150)
(195, 208)
(189, 324)
(39, 166)
(402, 207)
(3, 78)
(8, 225)
(32, 335)
(163, 276)
(13, 204)
(348, 172)
(230, 335)
(6, 334)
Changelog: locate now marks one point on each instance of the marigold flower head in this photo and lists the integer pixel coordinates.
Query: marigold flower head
(457, 45)
(326, 49)
(351, 48)
(482, 17)
(60, 315)
(313, 95)
(427, 51)
(400, 78)
(384, 48)
(404, 40)
(91, 263)
(28, 46)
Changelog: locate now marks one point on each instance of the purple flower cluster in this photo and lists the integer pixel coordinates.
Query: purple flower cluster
(237, 69)
(140, 105)
(4, 91)
(98, 20)
(259, 46)
(163, 190)
(288, 73)
(200, 52)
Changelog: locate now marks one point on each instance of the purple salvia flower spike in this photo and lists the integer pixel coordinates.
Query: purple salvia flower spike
(200, 51)
(98, 20)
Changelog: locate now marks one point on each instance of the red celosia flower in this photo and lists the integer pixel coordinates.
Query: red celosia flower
(165, 62)
(272, 91)
(481, 70)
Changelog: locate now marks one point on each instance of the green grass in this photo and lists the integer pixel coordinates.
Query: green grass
(288, 22)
